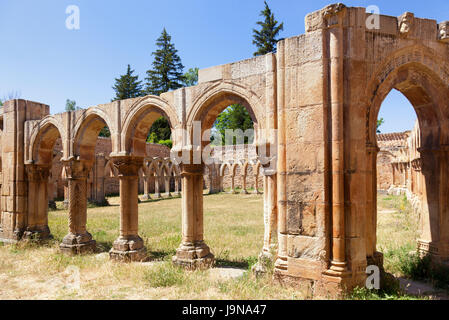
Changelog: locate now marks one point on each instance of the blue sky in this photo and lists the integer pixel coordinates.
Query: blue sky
(46, 62)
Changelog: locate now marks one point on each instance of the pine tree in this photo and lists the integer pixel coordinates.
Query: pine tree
(266, 38)
(127, 86)
(167, 69)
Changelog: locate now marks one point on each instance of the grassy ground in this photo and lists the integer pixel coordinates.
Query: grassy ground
(233, 230)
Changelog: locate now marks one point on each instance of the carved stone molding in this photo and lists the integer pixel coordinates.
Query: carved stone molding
(127, 166)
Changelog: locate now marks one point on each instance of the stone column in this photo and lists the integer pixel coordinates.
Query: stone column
(146, 188)
(373, 257)
(78, 240)
(193, 252)
(157, 188)
(177, 192)
(129, 246)
(429, 238)
(336, 60)
(37, 224)
(232, 182)
(443, 247)
(244, 191)
(167, 186)
(99, 192)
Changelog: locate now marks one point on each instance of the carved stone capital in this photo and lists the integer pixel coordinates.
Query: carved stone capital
(324, 18)
(192, 169)
(76, 169)
(406, 24)
(36, 173)
(443, 31)
(127, 166)
(332, 10)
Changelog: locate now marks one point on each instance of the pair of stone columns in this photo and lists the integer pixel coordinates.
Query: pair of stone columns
(129, 246)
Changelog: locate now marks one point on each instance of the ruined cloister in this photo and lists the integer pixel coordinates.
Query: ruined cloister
(314, 104)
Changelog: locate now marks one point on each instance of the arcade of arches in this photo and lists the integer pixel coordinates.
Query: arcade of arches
(314, 104)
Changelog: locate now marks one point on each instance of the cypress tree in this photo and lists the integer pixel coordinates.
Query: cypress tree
(266, 38)
(166, 73)
(127, 86)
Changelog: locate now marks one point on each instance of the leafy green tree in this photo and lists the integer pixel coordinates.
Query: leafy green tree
(265, 39)
(105, 133)
(166, 73)
(160, 132)
(191, 77)
(127, 86)
(232, 118)
(1, 103)
(380, 122)
(70, 105)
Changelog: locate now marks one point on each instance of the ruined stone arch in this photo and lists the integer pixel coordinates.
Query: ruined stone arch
(424, 82)
(138, 121)
(415, 73)
(215, 99)
(43, 139)
(86, 130)
(223, 168)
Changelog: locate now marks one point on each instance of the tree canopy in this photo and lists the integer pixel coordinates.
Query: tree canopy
(191, 77)
(232, 118)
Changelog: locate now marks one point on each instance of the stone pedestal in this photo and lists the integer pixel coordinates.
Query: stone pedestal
(194, 256)
(78, 240)
(78, 243)
(193, 252)
(129, 246)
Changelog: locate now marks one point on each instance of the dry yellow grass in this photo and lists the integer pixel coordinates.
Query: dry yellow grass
(233, 230)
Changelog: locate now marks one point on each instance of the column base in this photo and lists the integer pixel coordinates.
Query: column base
(38, 234)
(128, 249)
(146, 197)
(244, 192)
(192, 256)
(78, 244)
(167, 195)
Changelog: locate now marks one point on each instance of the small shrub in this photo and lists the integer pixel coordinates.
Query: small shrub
(422, 268)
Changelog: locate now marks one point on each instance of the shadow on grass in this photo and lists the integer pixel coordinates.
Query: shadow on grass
(161, 255)
(103, 246)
